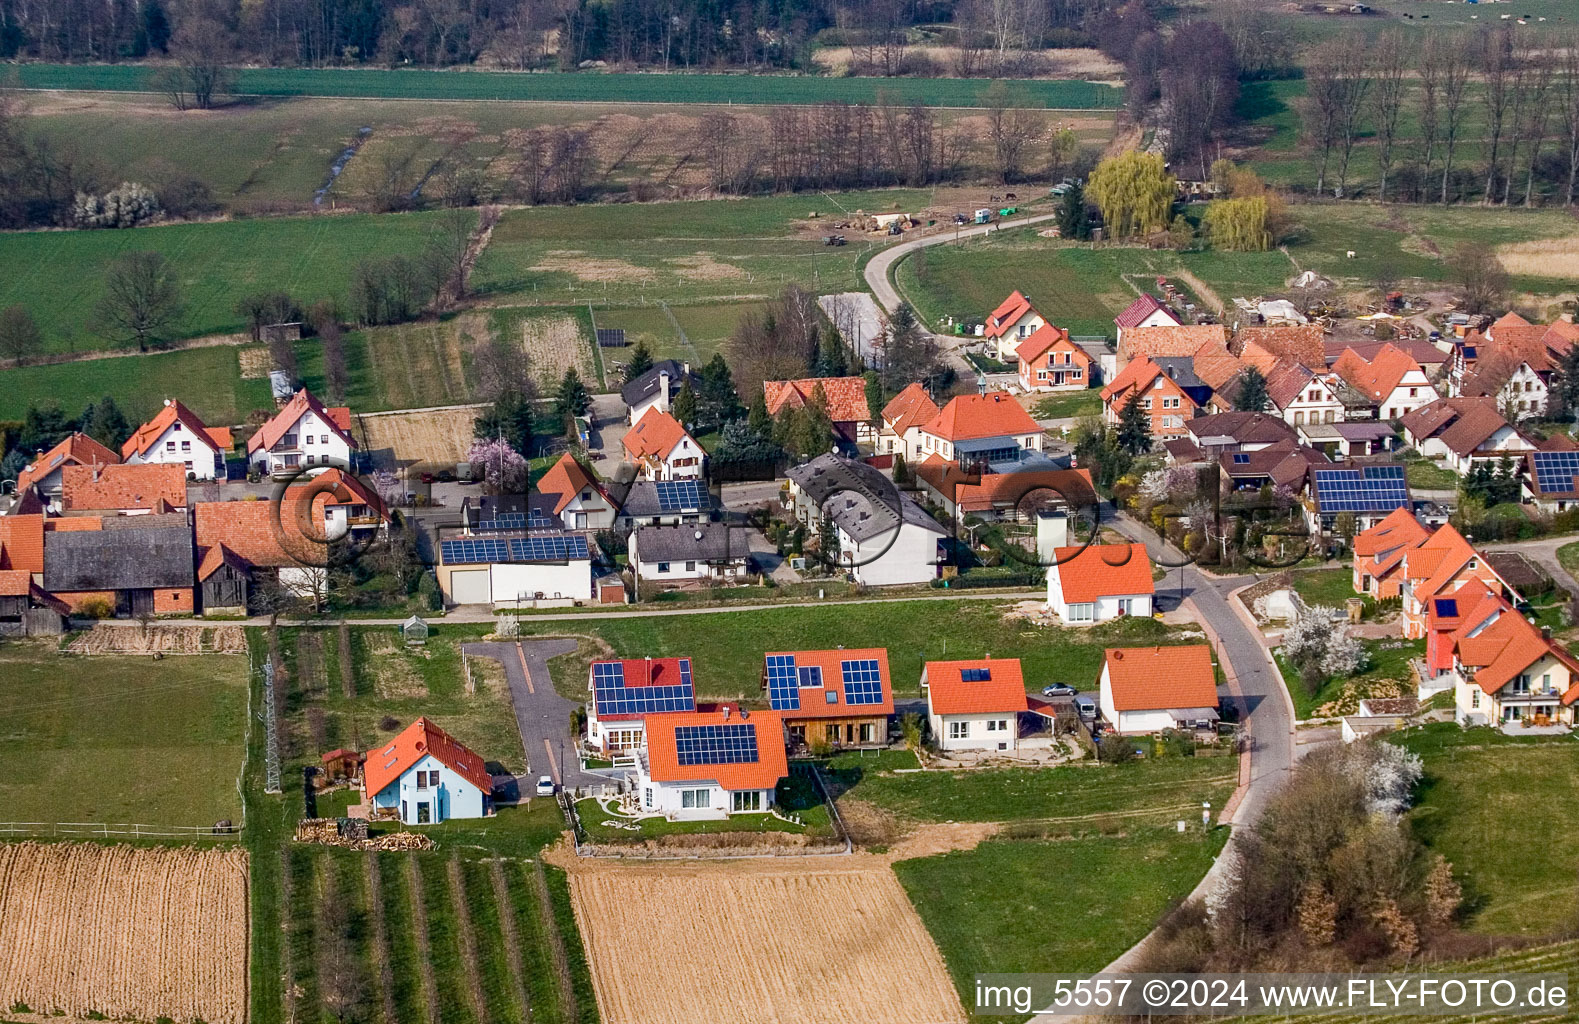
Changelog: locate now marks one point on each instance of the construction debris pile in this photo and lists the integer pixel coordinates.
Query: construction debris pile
(352, 834)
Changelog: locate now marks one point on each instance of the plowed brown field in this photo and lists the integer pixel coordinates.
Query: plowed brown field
(821, 942)
(127, 932)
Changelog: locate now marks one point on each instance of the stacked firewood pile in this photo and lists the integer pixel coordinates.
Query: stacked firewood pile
(352, 834)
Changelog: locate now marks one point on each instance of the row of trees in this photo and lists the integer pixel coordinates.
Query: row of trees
(43, 427)
(1426, 99)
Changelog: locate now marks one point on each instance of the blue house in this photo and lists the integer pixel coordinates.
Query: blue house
(423, 776)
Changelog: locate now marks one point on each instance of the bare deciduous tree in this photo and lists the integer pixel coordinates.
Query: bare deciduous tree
(1456, 70)
(1498, 68)
(141, 300)
(1390, 68)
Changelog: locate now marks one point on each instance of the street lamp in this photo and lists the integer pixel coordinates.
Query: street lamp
(1206, 814)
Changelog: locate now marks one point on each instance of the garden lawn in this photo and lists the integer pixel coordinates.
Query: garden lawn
(1067, 405)
(1330, 587)
(120, 739)
(1425, 475)
(1568, 556)
(208, 380)
(1174, 785)
(727, 648)
(1389, 660)
(1501, 810)
(1062, 906)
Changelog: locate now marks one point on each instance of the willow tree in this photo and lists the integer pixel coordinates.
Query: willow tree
(1135, 193)
(1238, 225)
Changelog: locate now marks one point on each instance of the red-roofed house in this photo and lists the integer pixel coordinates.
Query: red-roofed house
(1450, 615)
(44, 471)
(1177, 341)
(1463, 431)
(903, 417)
(626, 694)
(136, 490)
(846, 398)
(239, 543)
(1391, 384)
(424, 776)
(838, 698)
(1149, 689)
(178, 437)
(1296, 343)
(22, 543)
(1302, 397)
(1050, 361)
(981, 428)
(1011, 323)
(975, 705)
(303, 434)
(575, 497)
(1166, 387)
(1379, 553)
(661, 448)
(1098, 582)
(711, 764)
(1439, 564)
(1509, 672)
(1513, 361)
(1146, 311)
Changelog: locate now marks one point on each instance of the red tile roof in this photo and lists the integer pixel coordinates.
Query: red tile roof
(1377, 378)
(565, 479)
(771, 765)
(1298, 343)
(949, 694)
(1215, 365)
(1386, 543)
(1438, 559)
(335, 486)
(1044, 338)
(1136, 312)
(284, 421)
(1182, 340)
(15, 582)
(77, 450)
(153, 486)
(1473, 428)
(419, 739)
(969, 417)
(173, 411)
(256, 532)
(1507, 647)
(1137, 374)
(1286, 382)
(654, 436)
(22, 543)
(912, 407)
(1103, 570)
(1161, 678)
(996, 490)
(813, 699)
(1007, 314)
(846, 396)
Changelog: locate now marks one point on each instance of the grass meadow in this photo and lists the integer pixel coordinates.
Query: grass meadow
(207, 379)
(120, 738)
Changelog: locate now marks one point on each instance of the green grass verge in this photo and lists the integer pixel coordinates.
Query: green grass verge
(532, 921)
(267, 829)
(498, 983)
(1330, 587)
(1425, 475)
(405, 959)
(1500, 808)
(444, 950)
(173, 729)
(564, 917)
(1068, 405)
(1078, 902)
(679, 87)
(207, 380)
(301, 936)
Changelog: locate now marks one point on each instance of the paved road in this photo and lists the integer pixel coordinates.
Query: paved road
(859, 320)
(542, 715)
(1543, 552)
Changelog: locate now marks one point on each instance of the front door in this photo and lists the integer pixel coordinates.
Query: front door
(424, 813)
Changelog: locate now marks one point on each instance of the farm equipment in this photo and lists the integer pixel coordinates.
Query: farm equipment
(983, 216)
(832, 239)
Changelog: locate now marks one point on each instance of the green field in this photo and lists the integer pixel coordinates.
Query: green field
(691, 334)
(1064, 906)
(679, 87)
(727, 648)
(1501, 810)
(57, 275)
(120, 739)
(207, 380)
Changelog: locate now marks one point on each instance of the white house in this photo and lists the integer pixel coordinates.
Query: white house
(1302, 397)
(176, 435)
(690, 553)
(569, 491)
(1098, 582)
(664, 503)
(1392, 383)
(662, 450)
(1146, 311)
(985, 428)
(540, 569)
(975, 705)
(1149, 689)
(625, 694)
(711, 764)
(1012, 322)
(1464, 431)
(303, 434)
(657, 388)
(903, 417)
(424, 776)
(1508, 672)
(885, 538)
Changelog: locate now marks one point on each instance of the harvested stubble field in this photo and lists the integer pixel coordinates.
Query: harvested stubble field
(864, 956)
(434, 436)
(127, 932)
(103, 639)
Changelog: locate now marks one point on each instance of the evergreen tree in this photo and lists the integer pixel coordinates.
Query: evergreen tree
(717, 402)
(1072, 221)
(832, 360)
(758, 419)
(510, 417)
(1252, 396)
(901, 471)
(828, 541)
(572, 398)
(874, 394)
(43, 429)
(106, 424)
(1134, 427)
(154, 32)
(639, 363)
(685, 405)
(1562, 398)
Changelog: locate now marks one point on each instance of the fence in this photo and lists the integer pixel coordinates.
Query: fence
(105, 829)
(271, 749)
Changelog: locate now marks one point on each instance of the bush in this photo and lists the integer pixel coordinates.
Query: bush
(96, 608)
(1115, 749)
(125, 206)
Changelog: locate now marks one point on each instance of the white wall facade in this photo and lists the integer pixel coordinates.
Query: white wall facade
(513, 581)
(308, 443)
(1029, 323)
(1323, 408)
(1103, 609)
(995, 731)
(1523, 396)
(183, 447)
(1413, 391)
(452, 797)
(908, 555)
(1506, 441)
(932, 443)
(685, 461)
(699, 800)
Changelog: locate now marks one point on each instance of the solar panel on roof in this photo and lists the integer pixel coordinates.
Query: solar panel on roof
(678, 495)
(1240, 458)
(975, 675)
(1447, 606)
(536, 519)
(809, 675)
(783, 691)
(548, 548)
(1371, 489)
(863, 681)
(734, 743)
(1554, 471)
(504, 521)
(614, 697)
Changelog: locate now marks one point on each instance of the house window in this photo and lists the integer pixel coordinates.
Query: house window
(309, 439)
(169, 446)
(186, 446)
(1299, 419)
(663, 566)
(1075, 374)
(646, 798)
(695, 798)
(746, 800)
(1474, 697)
(1414, 392)
(958, 730)
(1521, 685)
(1126, 606)
(324, 439)
(868, 732)
(690, 566)
(992, 725)
(1082, 612)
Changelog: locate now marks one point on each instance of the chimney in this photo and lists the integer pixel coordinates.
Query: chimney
(1546, 633)
(726, 712)
(663, 388)
(1052, 531)
(685, 368)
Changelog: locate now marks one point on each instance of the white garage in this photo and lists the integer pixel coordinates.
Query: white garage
(542, 569)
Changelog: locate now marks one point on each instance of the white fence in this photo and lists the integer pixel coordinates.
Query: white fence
(106, 829)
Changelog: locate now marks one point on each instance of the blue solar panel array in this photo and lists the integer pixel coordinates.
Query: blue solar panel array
(1554, 471)
(679, 495)
(504, 521)
(863, 682)
(809, 675)
(783, 689)
(613, 697)
(549, 548)
(1447, 606)
(975, 675)
(716, 744)
(1372, 489)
